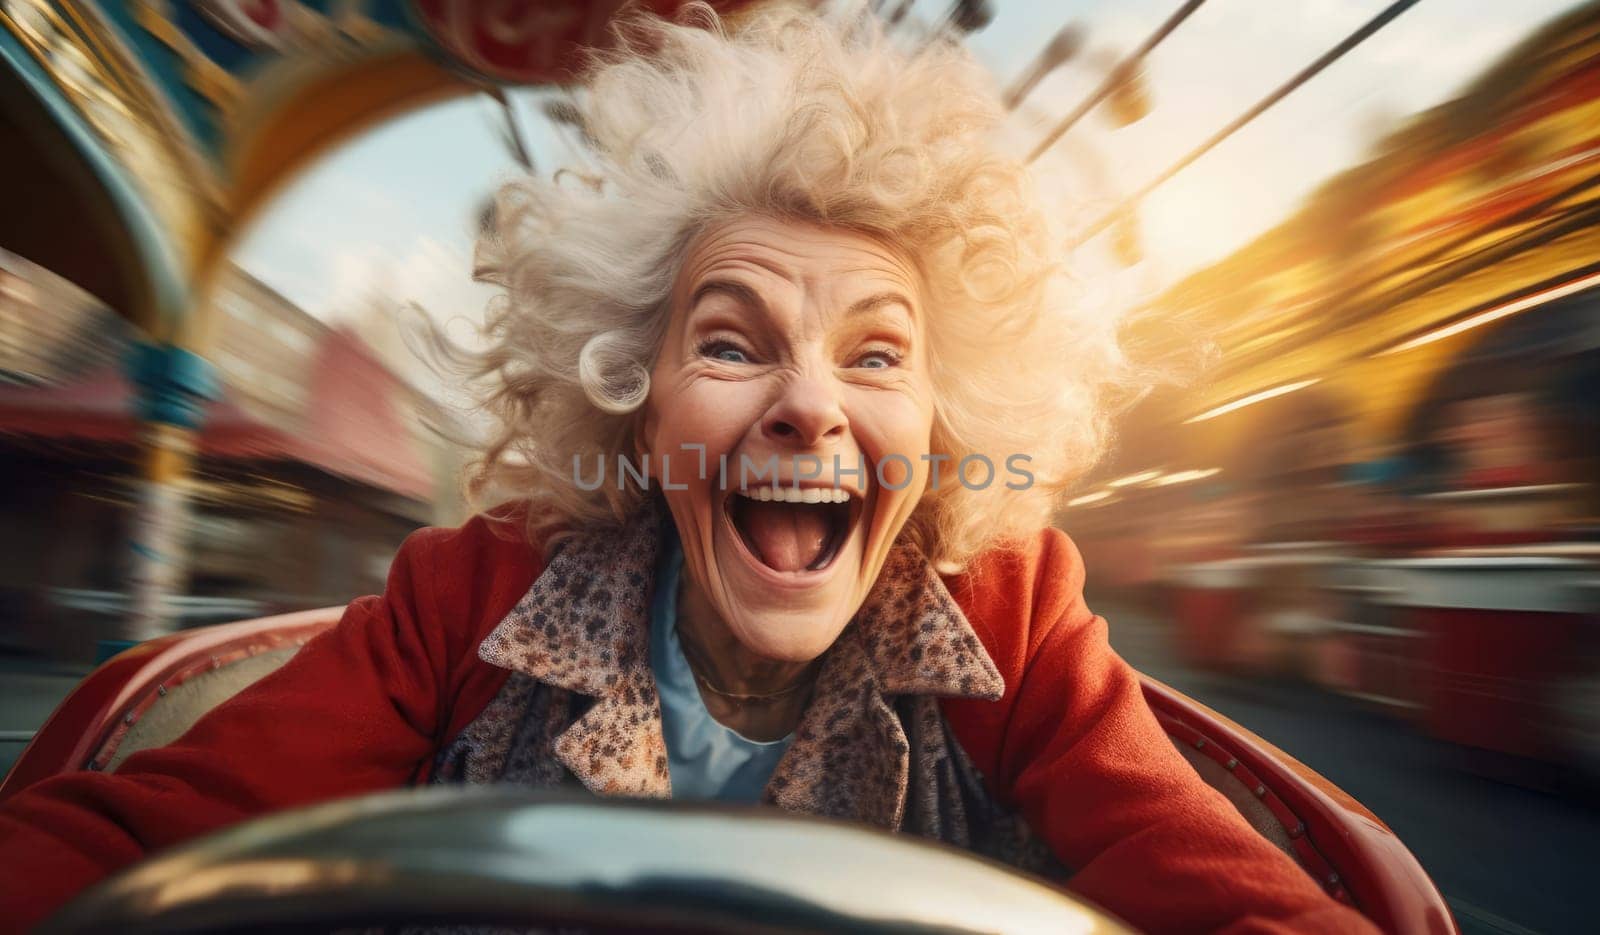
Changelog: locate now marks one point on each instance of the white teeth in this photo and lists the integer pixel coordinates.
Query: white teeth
(797, 495)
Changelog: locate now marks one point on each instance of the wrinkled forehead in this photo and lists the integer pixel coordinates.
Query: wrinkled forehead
(781, 253)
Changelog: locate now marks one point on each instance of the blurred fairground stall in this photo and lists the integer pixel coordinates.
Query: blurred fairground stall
(1383, 477)
(180, 444)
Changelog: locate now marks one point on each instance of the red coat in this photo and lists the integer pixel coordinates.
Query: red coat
(366, 706)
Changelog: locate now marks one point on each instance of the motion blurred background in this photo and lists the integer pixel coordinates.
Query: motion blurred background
(1361, 240)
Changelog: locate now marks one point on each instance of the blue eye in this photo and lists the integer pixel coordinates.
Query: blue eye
(878, 360)
(725, 351)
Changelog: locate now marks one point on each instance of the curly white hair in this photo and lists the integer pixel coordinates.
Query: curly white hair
(795, 115)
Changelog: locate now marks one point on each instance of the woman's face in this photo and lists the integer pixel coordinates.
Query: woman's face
(805, 346)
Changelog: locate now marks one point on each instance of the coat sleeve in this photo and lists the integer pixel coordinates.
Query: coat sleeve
(1092, 769)
(355, 710)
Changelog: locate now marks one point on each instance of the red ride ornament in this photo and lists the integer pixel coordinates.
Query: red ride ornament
(253, 23)
(525, 41)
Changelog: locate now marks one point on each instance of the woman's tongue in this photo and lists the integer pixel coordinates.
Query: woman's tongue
(786, 536)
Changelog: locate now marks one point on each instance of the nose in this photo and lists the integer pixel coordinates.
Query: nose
(805, 415)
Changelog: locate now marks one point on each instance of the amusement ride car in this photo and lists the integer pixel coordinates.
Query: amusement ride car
(458, 856)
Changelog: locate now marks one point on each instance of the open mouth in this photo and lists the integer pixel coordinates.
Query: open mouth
(793, 529)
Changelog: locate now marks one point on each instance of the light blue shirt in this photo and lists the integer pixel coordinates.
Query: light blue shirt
(706, 759)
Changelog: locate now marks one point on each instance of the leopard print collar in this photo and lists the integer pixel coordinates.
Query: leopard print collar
(584, 626)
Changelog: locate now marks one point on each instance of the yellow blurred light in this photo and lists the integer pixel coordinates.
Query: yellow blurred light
(1089, 498)
(1132, 479)
(1184, 477)
(1252, 399)
(1496, 313)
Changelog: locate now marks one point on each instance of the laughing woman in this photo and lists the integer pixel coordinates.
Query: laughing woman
(812, 309)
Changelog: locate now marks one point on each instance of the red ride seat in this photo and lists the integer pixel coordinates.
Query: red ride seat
(152, 693)
(1345, 847)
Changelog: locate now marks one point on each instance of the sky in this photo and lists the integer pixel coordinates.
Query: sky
(393, 210)
(1226, 56)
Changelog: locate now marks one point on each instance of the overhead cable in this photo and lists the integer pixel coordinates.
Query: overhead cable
(1238, 123)
(1118, 74)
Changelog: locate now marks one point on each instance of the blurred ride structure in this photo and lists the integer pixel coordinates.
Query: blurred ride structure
(312, 463)
(1124, 91)
(1387, 483)
(142, 136)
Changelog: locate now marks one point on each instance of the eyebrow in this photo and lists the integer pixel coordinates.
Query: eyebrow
(737, 291)
(878, 300)
(740, 292)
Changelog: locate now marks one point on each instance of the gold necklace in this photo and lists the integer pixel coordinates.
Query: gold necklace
(690, 651)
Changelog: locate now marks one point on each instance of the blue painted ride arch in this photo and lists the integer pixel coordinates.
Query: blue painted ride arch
(168, 68)
(221, 110)
(117, 226)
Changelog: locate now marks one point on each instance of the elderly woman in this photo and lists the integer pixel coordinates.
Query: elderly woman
(784, 390)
